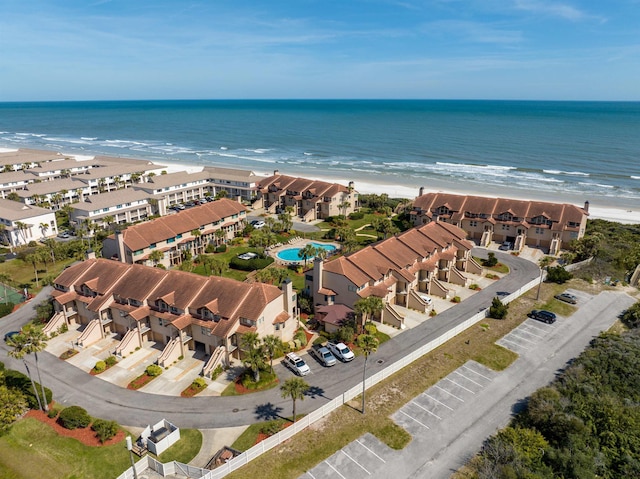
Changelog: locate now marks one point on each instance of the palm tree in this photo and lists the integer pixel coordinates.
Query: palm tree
(43, 228)
(156, 256)
(343, 207)
(254, 354)
(543, 263)
(36, 341)
(369, 345)
(196, 233)
(22, 227)
(18, 350)
(33, 259)
(294, 388)
(309, 251)
(272, 346)
(367, 308)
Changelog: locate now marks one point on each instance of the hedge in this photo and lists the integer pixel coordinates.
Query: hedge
(250, 264)
(74, 417)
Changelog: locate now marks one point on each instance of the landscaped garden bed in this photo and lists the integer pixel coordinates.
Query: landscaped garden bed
(69, 353)
(198, 385)
(150, 373)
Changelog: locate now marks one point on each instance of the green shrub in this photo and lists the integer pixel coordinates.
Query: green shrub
(6, 308)
(104, 429)
(100, 366)
(272, 427)
(217, 371)
(153, 370)
(53, 412)
(221, 249)
(345, 334)
(491, 260)
(557, 274)
(111, 361)
(17, 380)
(250, 264)
(370, 328)
(199, 383)
(74, 417)
(300, 338)
(455, 299)
(356, 215)
(210, 248)
(631, 316)
(498, 309)
(319, 340)
(474, 287)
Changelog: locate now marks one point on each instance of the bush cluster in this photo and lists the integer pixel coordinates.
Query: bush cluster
(111, 361)
(74, 417)
(17, 380)
(498, 309)
(104, 429)
(100, 366)
(153, 370)
(250, 264)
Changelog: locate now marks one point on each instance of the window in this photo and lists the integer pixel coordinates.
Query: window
(152, 245)
(171, 240)
(137, 252)
(162, 322)
(353, 288)
(473, 224)
(174, 310)
(505, 227)
(308, 277)
(247, 322)
(539, 231)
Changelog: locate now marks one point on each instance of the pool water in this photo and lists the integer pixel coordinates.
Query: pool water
(291, 254)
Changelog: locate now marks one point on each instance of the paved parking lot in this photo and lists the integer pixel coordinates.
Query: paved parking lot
(449, 421)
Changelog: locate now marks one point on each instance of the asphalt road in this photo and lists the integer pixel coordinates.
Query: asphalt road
(72, 386)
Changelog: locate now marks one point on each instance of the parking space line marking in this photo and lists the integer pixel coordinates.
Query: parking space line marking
(449, 408)
(476, 372)
(524, 339)
(514, 342)
(337, 472)
(535, 325)
(312, 476)
(414, 419)
(425, 409)
(468, 379)
(459, 385)
(450, 394)
(358, 441)
(532, 334)
(353, 460)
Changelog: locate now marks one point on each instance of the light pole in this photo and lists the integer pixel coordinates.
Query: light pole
(539, 284)
(133, 464)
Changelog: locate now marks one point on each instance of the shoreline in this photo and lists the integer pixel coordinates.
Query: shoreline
(614, 213)
(599, 208)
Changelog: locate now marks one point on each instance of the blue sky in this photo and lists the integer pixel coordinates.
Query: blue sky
(169, 49)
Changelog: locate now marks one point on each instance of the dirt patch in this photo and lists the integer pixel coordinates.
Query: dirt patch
(85, 435)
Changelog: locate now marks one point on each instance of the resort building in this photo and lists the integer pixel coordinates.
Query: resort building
(517, 222)
(189, 230)
(128, 205)
(401, 270)
(310, 199)
(179, 310)
(20, 223)
(237, 183)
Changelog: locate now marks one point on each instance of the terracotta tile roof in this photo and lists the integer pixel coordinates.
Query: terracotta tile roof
(63, 297)
(402, 255)
(140, 313)
(334, 314)
(281, 318)
(327, 291)
(300, 185)
(561, 214)
(142, 235)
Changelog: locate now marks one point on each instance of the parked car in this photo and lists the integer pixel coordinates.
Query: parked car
(341, 351)
(10, 335)
(425, 298)
(322, 354)
(257, 224)
(542, 315)
(296, 364)
(63, 235)
(506, 246)
(567, 298)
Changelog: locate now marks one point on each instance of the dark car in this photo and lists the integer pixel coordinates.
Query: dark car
(542, 315)
(567, 298)
(10, 335)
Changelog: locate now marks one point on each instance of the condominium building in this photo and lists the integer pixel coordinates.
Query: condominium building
(179, 310)
(189, 230)
(309, 199)
(398, 270)
(517, 222)
(21, 224)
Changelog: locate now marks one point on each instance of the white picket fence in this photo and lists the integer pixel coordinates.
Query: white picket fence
(328, 408)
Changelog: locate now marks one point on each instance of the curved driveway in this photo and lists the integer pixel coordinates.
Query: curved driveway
(71, 386)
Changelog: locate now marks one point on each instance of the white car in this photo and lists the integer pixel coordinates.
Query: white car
(341, 351)
(425, 298)
(257, 224)
(296, 364)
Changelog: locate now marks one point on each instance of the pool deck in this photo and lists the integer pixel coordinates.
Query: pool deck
(295, 242)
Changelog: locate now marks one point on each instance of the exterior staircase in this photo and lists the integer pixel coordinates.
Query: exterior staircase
(91, 334)
(216, 359)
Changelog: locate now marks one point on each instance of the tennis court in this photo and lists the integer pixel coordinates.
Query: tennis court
(10, 295)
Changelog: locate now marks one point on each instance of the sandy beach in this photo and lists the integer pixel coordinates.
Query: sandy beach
(410, 190)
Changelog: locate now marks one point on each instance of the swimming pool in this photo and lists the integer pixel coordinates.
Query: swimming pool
(291, 254)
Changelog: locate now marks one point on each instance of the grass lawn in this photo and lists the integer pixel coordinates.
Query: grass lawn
(292, 458)
(32, 449)
(22, 273)
(185, 449)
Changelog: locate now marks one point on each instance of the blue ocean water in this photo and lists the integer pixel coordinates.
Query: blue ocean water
(587, 150)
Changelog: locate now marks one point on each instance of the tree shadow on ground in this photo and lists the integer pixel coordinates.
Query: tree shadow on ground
(268, 412)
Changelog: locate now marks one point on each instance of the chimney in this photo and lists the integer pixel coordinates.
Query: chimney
(289, 298)
(421, 191)
(276, 172)
(90, 254)
(586, 206)
(120, 246)
(318, 270)
(351, 185)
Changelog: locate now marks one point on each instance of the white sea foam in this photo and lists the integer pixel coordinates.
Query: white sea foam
(635, 177)
(570, 173)
(307, 153)
(224, 148)
(472, 166)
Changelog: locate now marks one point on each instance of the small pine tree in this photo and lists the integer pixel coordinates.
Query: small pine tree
(498, 309)
(557, 274)
(491, 260)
